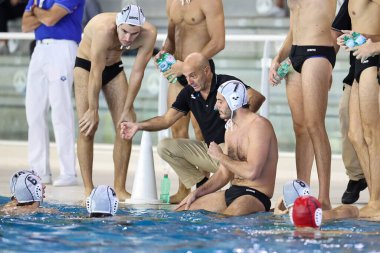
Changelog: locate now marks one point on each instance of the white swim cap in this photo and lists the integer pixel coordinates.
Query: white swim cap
(102, 200)
(28, 188)
(235, 94)
(294, 189)
(15, 176)
(131, 15)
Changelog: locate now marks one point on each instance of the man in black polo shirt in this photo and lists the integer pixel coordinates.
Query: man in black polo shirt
(189, 158)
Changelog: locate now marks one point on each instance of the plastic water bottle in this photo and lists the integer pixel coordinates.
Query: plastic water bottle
(165, 189)
(356, 39)
(165, 62)
(284, 68)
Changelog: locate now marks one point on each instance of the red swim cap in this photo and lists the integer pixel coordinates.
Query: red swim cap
(306, 212)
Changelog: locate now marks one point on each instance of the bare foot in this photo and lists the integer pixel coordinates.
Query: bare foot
(371, 210)
(341, 212)
(123, 195)
(179, 196)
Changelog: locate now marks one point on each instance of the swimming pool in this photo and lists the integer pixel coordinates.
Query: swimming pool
(162, 230)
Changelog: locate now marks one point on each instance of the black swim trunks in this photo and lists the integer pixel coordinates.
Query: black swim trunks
(349, 79)
(299, 54)
(183, 81)
(109, 72)
(236, 191)
(359, 66)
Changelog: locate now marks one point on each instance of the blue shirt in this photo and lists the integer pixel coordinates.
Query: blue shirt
(68, 28)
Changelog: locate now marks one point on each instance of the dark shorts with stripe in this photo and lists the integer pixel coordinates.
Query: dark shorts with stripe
(109, 72)
(299, 54)
(236, 191)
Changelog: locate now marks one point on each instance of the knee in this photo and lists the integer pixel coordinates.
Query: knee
(369, 135)
(314, 127)
(354, 137)
(163, 147)
(299, 129)
(85, 138)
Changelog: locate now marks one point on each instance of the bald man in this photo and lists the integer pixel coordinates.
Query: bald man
(189, 158)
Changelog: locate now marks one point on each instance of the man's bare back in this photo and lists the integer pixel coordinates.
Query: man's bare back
(102, 28)
(311, 20)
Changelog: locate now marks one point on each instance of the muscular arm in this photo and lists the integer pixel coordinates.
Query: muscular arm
(257, 153)
(161, 122)
(29, 22)
(213, 10)
(256, 99)
(143, 56)
(169, 44)
(33, 19)
(220, 178)
(50, 17)
(98, 53)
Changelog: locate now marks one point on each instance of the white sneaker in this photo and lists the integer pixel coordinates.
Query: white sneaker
(65, 181)
(45, 179)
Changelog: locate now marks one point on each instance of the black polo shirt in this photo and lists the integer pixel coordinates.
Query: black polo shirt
(211, 125)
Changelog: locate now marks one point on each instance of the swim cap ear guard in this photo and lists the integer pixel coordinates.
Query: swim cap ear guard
(236, 101)
(102, 200)
(131, 15)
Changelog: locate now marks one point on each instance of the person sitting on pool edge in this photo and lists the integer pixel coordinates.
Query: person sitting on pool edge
(27, 195)
(102, 202)
(250, 160)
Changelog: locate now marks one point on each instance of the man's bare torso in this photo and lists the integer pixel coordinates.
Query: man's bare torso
(365, 17)
(191, 34)
(238, 144)
(311, 21)
(102, 28)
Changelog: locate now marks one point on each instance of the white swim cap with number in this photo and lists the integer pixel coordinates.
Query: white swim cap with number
(28, 188)
(294, 189)
(131, 15)
(15, 177)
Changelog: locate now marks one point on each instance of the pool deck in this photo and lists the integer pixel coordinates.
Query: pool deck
(13, 157)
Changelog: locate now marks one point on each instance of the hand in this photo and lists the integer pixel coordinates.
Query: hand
(128, 130)
(274, 79)
(187, 201)
(364, 51)
(340, 39)
(89, 122)
(157, 56)
(176, 69)
(215, 151)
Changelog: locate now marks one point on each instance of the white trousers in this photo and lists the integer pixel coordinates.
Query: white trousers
(49, 85)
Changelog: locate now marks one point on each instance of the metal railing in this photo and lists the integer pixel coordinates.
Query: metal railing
(265, 60)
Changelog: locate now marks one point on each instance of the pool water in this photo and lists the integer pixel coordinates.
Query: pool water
(162, 230)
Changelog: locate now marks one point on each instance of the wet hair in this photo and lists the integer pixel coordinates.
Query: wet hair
(99, 215)
(25, 203)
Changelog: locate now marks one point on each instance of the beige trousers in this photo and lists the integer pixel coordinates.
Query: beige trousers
(188, 158)
(350, 159)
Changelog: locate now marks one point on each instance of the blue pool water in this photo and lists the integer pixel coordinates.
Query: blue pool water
(162, 230)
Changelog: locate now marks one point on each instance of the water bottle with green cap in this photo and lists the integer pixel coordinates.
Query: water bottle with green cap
(165, 189)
